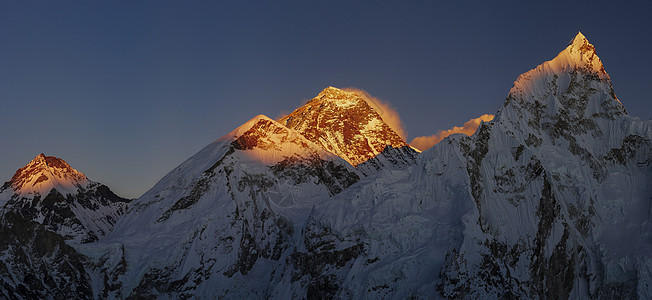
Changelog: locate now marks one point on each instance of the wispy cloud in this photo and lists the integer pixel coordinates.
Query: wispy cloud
(424, 142)
(384, 109)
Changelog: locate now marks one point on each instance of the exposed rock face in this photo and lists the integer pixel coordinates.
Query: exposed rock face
(344, 124)
(37, 264)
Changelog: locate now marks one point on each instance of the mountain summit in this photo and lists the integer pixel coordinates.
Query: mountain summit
(49, 191)
(44, 173)
(345, 124)
(579, 56)
(572, 88)
(583, 54)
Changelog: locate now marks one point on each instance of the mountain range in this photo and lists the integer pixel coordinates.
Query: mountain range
(552, 198)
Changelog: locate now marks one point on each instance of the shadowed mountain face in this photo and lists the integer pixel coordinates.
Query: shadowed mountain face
(36, 263)
(550, 199)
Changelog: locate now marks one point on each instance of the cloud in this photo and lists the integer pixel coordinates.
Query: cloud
(424, 142)
(384, 109)
(282, 114)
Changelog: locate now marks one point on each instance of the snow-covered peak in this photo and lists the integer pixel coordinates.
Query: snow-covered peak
(579, 55)
(43, 174)
(338, 97)
(268, 141)
(50, 192)
(243, 128)
(579, 40)
(343, 123)
(575, 80)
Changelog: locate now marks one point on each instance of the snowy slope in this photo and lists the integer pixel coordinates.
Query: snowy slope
(551, 199)
(47, 190)
(216, 225)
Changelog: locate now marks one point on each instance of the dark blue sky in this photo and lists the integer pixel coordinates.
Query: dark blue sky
(126, 90)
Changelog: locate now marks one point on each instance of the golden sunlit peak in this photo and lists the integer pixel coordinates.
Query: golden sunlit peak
(579, 55)
(49, 161)
(334, 93)
(580, 45)
(341, 98)
(331, 89)
(579, 39)
(44, 173)
(244, 127)
(349, 123)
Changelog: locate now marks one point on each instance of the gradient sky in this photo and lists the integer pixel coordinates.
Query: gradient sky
(126, 90)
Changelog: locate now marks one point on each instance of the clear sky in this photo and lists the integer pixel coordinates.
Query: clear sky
(126, 90)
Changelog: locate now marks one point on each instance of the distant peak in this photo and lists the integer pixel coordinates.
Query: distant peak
(579, 55)
(331, 89)
(579, 40)
(243, 128)
(344, 123)
(580, 45)
(339, 97)
(50, 162)
(556, 78)
(44, 173)
(259, 117)
(39, 159)
(333, 92)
